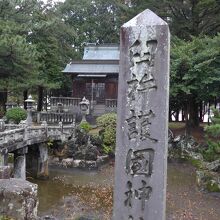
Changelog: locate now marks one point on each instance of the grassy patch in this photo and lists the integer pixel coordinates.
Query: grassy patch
(176, 125)
(196, 163)
(2, 217)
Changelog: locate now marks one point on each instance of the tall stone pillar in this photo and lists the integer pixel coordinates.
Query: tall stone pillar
(20, 163)
(142, 125)
(43, 172)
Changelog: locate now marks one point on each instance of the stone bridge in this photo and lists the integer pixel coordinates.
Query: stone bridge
(23, 138)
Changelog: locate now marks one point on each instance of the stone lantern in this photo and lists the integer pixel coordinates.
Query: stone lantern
(30, 103)
(84, 107)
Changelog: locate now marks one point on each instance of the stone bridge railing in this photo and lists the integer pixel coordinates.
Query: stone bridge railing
(17, 141)
(20, 137)
(54, 117)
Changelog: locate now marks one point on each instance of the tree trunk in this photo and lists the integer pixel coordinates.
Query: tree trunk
(183, 114)
(209, 105)
(40, 98)
(3, 100)
(25, 95)
(192, 118)
(200, 112)
(215, 103)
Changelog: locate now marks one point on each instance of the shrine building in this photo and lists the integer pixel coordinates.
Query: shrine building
(96, 77)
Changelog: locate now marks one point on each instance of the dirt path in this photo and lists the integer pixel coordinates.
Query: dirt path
(184, 201)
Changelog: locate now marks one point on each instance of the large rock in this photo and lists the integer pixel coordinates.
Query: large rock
(214, 166)
(207, 180)
(18, 199)
(183, 147)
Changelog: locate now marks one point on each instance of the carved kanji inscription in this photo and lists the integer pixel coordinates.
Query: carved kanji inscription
(139, 125)
(143, 194)
(129, 195)
(140, 162)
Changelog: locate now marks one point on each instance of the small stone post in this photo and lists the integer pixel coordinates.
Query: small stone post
(43, 172)
(20, 163)
(142, 126)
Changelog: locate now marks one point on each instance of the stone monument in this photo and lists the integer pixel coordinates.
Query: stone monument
(142, 128)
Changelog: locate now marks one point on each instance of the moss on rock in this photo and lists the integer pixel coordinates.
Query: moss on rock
(212, 186)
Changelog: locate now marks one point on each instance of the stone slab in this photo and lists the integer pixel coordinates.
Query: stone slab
(142, 119)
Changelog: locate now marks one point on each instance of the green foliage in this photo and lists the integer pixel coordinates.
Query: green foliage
(50, 143)
(213, 130)
(96, 140)
(95, 21)
(213, 151)
(196, 163)
(212, 135)
(212, 186)
(16, 114)
(107, 120)
(85, 126)
(107, 123)
(194, 68)
(186, 18)
(195, 73)
(109, 136)
(107, 149)
(35, 45)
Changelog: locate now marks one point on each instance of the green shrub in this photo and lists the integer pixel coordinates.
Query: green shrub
(106, 120)
(107, 124)
(96, 141)
(213, 151)
(212, 186)
(85, 126)
(212, 135)
(16, 114)
(213, 130)
(107, 149)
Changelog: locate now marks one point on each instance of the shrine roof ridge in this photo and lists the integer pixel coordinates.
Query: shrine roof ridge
(94, 62)
(101, 45)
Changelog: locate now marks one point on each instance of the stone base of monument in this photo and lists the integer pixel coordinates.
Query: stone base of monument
(18, 199)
